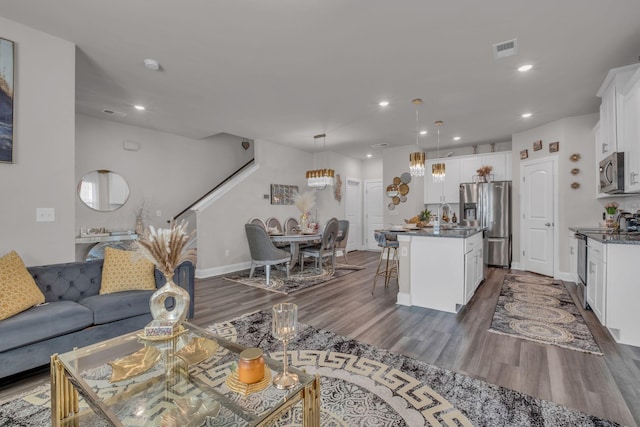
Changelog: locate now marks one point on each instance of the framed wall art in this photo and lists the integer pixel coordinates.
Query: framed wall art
(554, 147)
(283, 194)
(6, 100)
(524, 154)
(537, 145)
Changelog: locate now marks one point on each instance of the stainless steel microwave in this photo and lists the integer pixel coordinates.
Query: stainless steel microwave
(612, 174)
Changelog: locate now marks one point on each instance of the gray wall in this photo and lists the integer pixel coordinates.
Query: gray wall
(222, 244)
(42, 174)
(575, 207)
(396, 162)
(167, 174)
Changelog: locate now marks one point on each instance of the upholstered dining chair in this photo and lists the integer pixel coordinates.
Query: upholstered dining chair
(263, 251)
(274, 222)
(325, 248)
(291, 226)
(343, 237)
(257, 221)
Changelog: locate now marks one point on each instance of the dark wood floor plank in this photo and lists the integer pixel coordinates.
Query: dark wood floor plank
(606, 386)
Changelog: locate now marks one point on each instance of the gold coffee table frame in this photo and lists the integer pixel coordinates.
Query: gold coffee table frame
(66, 383)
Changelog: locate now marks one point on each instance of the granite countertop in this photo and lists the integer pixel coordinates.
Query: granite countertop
(607, 235)
(455, 232)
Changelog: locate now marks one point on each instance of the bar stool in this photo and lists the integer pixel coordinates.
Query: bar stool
(389, 244)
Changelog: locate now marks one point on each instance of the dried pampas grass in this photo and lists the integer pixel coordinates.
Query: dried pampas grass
(167, 248)
(304, 201)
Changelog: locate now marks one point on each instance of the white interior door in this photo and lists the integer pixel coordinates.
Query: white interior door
(374, 216)
(538, 216)
(354, 213)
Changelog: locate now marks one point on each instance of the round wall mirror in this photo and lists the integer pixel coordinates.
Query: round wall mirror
(103, 190)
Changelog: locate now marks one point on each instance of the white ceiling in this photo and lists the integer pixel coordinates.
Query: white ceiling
(285, 70)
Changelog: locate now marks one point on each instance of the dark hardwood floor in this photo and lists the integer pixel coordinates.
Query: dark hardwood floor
(605, 386)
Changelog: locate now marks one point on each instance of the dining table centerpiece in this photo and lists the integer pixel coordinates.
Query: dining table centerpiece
(167, 249)
(304, 201)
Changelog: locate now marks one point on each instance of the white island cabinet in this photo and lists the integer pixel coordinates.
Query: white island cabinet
(443, 271)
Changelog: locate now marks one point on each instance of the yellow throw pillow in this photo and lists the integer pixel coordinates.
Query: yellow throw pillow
(126, 271)
(18, 290)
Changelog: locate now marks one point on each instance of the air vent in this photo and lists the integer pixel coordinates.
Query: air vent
(381, 145)
(504, 49)
(114, 113)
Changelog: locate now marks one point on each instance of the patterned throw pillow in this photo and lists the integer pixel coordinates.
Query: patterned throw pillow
(126, 271)
(18, 290)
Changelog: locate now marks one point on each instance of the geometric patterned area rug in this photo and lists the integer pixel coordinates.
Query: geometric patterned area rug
(538, 309)
(361, 385)
(297, 281)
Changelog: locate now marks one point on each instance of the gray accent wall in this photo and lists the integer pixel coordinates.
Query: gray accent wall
(42, 174)
(166, 174)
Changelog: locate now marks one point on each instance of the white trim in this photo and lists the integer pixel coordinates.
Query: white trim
(404, 299)
(358, 245)
(564, 275)
(224, 269)
(224, 189)
(556, 204)
(516, 266)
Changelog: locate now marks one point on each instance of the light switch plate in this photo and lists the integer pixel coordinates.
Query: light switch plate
(45, 214)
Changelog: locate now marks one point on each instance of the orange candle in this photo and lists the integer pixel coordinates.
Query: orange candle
(251, 366)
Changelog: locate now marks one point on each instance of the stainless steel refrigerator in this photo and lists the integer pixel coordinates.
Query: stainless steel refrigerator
(488, 205)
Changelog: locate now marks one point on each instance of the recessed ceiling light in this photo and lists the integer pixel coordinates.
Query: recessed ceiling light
(369, 156)
(383, 103)
(139, 107)
(526, 115)
(456, 138)
(423, 132)
(524, 68)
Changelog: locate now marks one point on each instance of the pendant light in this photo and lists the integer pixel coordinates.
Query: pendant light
(418, 158)
(320, 178)
(438, 169)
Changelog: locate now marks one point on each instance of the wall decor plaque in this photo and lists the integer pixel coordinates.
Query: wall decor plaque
(283, 194)
(554, 147)
(537, 145)
(524, 154)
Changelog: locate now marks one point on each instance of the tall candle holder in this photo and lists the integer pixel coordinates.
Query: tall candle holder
(284, 328)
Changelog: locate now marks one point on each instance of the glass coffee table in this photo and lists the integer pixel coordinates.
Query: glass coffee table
(183, 381)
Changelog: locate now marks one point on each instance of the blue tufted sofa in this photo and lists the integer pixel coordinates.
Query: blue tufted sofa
(75, 314)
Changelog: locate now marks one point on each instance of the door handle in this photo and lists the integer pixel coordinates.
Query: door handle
(548, 224)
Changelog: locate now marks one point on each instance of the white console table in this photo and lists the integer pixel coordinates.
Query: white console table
(91, 247)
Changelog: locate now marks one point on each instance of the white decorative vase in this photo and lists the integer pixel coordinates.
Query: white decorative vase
(178, 312)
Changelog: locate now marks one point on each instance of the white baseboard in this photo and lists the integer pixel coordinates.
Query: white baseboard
(224, 269)
(567, 277)
(404, 299)
(516, 266)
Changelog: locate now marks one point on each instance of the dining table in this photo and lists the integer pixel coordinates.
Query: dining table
(295, 240)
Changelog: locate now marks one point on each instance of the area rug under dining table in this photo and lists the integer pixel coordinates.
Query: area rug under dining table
(362, 385)
(540, 309)
(297, 281)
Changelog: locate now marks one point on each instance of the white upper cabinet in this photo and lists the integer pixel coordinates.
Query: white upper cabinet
(499, 161)
(464, 169)
(610, 110)
(629, 138)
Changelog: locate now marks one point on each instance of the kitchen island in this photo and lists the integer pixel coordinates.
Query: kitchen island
(440, 270)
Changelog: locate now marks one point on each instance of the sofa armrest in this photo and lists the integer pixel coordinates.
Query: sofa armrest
(184, 276)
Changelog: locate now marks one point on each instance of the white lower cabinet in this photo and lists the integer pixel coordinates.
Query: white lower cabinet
(573, 257)
(473, 265)
(444, 272)
(596, 279)
(623, 293)
(612, 288)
